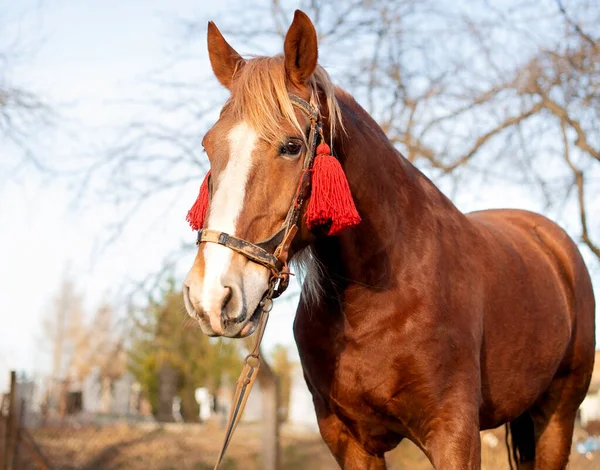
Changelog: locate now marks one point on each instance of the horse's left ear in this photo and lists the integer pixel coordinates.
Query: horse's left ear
(300, 50)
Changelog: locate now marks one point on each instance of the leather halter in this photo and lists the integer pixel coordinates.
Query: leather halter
(273, 254)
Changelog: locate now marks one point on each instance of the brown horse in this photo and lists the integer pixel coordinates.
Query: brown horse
(421, 322)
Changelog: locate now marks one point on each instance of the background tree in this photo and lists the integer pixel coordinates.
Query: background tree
(283, 367)
(98, 345)
(78, 344)
(477, 94)
(64, 331)
(22, 112)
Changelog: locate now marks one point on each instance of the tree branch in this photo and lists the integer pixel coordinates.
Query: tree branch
(579, 182)
(575, 26)
(561, 113)
(481, 140)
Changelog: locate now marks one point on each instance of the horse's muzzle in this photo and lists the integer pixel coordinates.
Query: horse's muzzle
(226, 304)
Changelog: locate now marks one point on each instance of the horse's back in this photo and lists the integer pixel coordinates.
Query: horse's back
(536, 230)
(543, 296)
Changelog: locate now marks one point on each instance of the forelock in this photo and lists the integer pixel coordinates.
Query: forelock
(259, 97)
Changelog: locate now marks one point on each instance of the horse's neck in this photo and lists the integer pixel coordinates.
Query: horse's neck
(397, 203)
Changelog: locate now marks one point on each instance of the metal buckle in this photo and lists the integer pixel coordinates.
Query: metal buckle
(223, 238)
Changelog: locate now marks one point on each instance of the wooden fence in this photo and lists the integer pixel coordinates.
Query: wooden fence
(14, 436)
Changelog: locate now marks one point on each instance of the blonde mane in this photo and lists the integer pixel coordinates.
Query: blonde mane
(259, 96)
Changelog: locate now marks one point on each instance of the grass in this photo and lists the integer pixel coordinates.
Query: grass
(195, 447)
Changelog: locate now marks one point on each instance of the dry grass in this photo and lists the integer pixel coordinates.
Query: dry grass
(195, 447)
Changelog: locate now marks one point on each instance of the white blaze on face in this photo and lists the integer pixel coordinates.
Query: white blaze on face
(225, 208)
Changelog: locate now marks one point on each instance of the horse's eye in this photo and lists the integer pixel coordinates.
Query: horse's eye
(291, 148)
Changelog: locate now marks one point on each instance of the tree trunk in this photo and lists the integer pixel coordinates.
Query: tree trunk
(10, 442)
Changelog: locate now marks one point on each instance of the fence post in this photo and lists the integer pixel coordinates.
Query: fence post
(10, 440)
(18, 428)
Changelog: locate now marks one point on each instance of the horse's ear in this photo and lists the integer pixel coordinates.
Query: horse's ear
(225, 61)
(300, 49)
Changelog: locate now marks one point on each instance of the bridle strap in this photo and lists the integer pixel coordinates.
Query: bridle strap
(304, 184)
(271, 244)
(309, 109)
(280, 243)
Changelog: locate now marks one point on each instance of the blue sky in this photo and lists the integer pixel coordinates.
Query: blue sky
(87, 59)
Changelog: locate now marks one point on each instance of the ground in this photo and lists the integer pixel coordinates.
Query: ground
(195, 447)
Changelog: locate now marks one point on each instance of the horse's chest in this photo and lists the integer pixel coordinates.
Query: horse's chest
(349, 381)
(368, 371)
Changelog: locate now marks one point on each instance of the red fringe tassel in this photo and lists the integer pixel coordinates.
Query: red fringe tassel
(197, 214)
(331, 201)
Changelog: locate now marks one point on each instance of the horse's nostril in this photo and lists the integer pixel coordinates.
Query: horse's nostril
(226, 299)
(188, 302)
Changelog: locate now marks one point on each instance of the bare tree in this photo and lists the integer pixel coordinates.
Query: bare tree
(22, 112)
(78, 343)
(63, 328)
(99, 344)
(470, 94)
(520, 103)
(511, 91)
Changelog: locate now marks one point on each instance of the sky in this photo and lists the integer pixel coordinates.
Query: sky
(86, 59)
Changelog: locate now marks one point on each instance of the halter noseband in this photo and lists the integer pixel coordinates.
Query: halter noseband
(273, 252)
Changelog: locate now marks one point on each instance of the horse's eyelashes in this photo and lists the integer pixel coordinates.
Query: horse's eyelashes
(291, 148)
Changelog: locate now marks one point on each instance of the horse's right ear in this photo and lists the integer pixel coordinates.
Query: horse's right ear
(300, 50)
(225, 61)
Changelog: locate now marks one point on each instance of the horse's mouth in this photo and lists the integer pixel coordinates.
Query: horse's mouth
(250, 326)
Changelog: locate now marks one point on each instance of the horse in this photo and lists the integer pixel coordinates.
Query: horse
(419, 322)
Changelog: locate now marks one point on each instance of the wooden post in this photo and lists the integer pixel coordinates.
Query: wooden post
(11, 440)
(17, 436)
(269, 386)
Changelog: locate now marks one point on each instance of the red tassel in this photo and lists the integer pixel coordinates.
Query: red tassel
(331, 200)
(197, 213)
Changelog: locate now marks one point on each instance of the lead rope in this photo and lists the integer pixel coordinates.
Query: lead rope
(252, 361)
(249, 372)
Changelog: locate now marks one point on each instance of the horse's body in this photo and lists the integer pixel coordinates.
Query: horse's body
(432, 325)
(419, 322)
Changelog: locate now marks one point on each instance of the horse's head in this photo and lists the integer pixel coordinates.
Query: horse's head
(256, 151)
